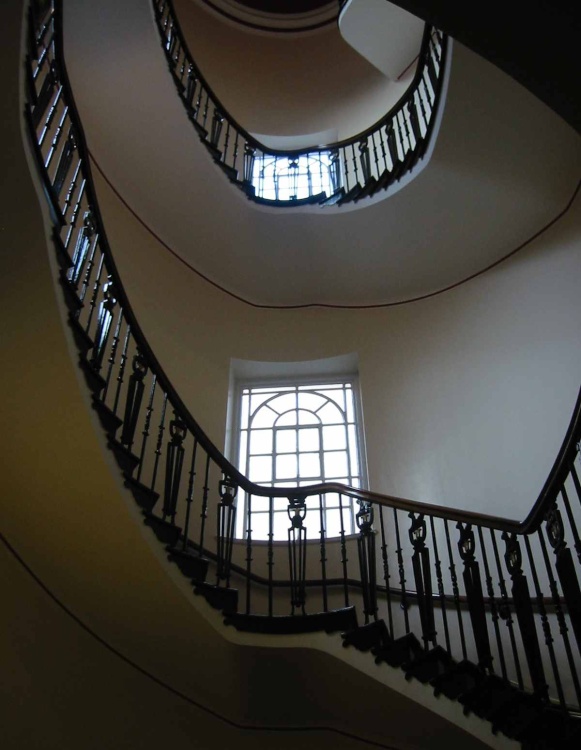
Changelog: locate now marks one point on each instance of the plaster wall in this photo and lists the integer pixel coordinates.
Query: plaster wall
(466, 395)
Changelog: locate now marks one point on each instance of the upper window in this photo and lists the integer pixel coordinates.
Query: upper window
(297, 434)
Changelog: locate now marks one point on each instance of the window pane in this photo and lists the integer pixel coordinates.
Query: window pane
(259, 525)
(350, 406)
(310, 401)
(261, 441)
(309, 465)
(284, 403)
(264, 417)
(286, 441)
(335, 395)
(286, 466)
(334, 438)
(353, 450)
(242, 451)
(336, 464)
(330, 414)
(260, 469)
(244, 411)
(307, 417)
(281, 524)
(290, 418)
(308, 440)
(259, 504)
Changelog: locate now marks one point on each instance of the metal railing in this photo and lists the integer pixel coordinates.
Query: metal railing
(338, 173)
(470, 600)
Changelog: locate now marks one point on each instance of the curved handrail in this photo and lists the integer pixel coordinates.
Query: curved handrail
(109, 337)
(350, 169)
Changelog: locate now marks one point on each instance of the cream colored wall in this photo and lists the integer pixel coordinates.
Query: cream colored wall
(466, 396)
(281, 85)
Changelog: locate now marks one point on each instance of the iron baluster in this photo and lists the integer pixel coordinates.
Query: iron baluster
(473, 588)
(190, 495)
(365, 161)
(96, 288)
(505, 611)
(573, 525)
(270, 562)
(524, 614)
(565, 565)
(174, 461)
(72, 188)
(81, 250)
(344, 559)
(367, 565)
(204, 510)
(160, 431)
(146, 427)
(75, 214)
(64, 164)
(216, 129)
(545, 622)
(113, 355)
(297, 552)
(560, 616)
(323, 552)
(440, 583)
(386, 576)
(56, 138)
(248, 550)
(133, 400)
(226, 526)
(122, 366)
(493, 607)
(104, 321)
(423, 578)
(455, 590)
(403, 601)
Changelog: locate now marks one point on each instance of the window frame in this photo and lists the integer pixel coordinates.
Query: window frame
(240, 384)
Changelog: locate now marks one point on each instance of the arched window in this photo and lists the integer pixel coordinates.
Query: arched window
(299, 435)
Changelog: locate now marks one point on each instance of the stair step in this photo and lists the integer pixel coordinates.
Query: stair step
(458, 679)
(398, 652)
(367, 190)
(63, 258)
(192, 566)
(333, 199)
(127, 460)
(215, 153)
(95, 381)
(72, 300)
(328, 622)
(166, 532)
(218, 597)
(144, 496)
(109, 420)
(312, 200)
(201, 130)
(230, 172)
(488, 697)
(428, 665)
(366, 637)
(350, 195)
(82, 339)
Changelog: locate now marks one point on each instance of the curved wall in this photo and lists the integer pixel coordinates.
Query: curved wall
(287, 84)
(466, 395)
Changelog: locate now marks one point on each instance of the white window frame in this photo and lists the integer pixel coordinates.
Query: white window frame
(239, 385)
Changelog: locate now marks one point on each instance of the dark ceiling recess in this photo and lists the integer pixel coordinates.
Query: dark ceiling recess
(285, 6)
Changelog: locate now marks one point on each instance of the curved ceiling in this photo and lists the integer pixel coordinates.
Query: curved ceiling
(504, 166)
(276, 17)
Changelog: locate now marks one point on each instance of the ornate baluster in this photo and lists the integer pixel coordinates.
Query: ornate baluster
(355, 167)
(392, 144)
(505, 611)
(455, 590)
(57, 137)
(567, 504)
(104, 323)
(297, 552)
(64, 164)
(96, 286)
(493, 607)
(441, 593)
(226, 143)
(133, 400)
(473, 587)
(386, 576)
(216, 129)
(545, 622)
(367, 564)
(560, 616)
(82, 248)
(403, 602)
(565, 565)
(249, 159)
(174, 461)
(423, 578)
(226, 526)
(75, 215)
(71, 190)
(191, 90)
(334, 170)
(524, 614)
(323, 551)
(365, 161)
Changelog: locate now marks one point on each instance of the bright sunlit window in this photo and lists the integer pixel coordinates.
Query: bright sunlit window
(300, 434)
(284, 178)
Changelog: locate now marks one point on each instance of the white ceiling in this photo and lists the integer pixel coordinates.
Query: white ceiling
(503, 167)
